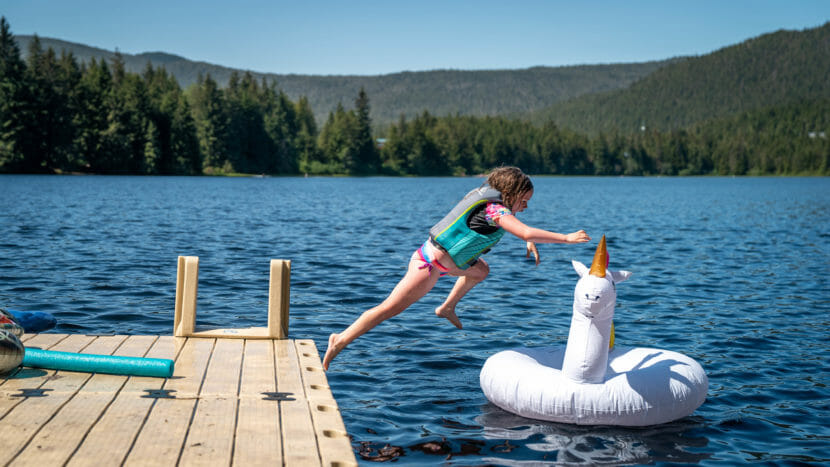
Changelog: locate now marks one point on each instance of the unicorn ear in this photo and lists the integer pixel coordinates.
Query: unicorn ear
(580, 268)
(620, 276)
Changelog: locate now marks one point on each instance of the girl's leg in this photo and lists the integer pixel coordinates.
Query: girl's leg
(414, 285)
(472, 276)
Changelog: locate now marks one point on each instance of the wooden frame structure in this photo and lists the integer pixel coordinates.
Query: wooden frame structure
(258, 398)
(184, 321)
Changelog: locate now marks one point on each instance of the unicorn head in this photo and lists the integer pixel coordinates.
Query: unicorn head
(591, 333)
(596, 292)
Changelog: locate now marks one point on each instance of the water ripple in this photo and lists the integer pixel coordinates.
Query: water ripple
(732, 272)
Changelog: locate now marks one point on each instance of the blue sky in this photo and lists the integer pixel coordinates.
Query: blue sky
(377, 37)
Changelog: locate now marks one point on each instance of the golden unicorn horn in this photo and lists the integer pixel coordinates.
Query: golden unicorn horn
(600, 260)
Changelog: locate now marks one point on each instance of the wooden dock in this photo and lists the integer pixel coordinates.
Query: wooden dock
(234, 402)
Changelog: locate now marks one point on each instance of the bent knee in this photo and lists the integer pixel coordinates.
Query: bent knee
(480, 270)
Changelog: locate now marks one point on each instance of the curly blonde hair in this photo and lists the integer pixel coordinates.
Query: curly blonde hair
(511, 182)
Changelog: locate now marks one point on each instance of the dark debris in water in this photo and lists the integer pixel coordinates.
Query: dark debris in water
(433, 447)
(386, 453)
(468, 447)
(389, 453)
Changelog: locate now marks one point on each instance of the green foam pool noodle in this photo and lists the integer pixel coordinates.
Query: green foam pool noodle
(91, 363)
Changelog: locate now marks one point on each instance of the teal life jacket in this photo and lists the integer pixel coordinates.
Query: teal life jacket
(454, 235)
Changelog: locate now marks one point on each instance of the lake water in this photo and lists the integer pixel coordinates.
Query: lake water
(730, 271)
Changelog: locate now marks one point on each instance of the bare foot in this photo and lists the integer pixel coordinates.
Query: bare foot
(332, 350)
(449, 313)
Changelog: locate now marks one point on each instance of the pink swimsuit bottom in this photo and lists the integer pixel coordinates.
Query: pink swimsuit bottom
(430, 262)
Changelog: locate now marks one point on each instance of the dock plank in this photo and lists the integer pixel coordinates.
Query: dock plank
(211, 436)
(298, 437)
(257, 427)
(332, 437)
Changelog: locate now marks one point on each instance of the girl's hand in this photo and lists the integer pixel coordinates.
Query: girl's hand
(577, 237)
(531, 248)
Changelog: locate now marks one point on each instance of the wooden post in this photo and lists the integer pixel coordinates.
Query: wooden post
(187, 282)
(278, 298)
(184, 320)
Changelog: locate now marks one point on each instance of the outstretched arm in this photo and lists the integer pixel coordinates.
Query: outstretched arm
(532, 234)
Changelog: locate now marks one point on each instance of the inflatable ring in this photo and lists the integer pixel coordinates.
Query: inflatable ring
(642, 386)
(589, 381)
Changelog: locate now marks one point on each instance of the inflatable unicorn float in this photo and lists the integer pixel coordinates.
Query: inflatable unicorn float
(590, 381)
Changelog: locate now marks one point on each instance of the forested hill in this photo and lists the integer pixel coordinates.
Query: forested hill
(775, 69)
(440, 92)
(761, 107)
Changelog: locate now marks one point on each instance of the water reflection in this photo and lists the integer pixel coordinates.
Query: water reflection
(679, 441)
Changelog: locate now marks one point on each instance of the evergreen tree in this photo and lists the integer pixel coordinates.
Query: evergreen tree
(282, 127)
(170, 125)
(308, 153)
(161, 92)
(335, 140)
(211, 121)
(93, 95)
(14, 103)
(396, 149)
(48, 126)
(123, 141)
(248, 144)
(602, 158)
(456, 137)
(550, 148)
(184, 140)
(424, 157)
(152, 148)
(67, 85)
(366, 159)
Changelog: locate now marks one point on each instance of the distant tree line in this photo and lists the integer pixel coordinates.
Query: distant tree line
(59, 116)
